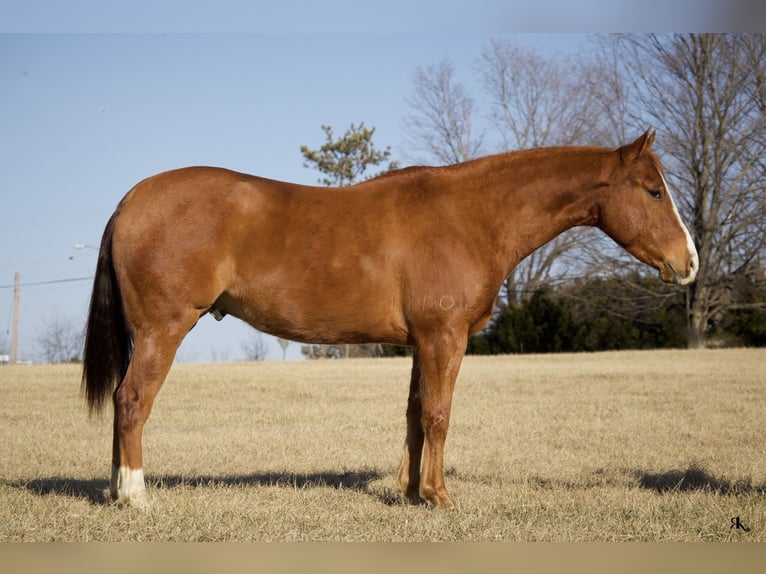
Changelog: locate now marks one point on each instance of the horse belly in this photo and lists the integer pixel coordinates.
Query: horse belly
(319, 308)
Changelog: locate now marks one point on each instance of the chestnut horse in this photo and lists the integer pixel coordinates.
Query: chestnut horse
(415, 257)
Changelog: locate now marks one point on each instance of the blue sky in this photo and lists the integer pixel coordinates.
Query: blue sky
(84, 117)
(399, 16)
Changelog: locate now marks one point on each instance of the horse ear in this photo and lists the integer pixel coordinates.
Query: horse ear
(636, 149)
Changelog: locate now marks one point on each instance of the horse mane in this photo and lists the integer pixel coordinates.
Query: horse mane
(502, 159)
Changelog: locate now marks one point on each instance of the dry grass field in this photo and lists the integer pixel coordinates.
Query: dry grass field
(648, 446)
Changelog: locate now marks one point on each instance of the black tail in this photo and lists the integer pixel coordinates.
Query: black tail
(108, 343)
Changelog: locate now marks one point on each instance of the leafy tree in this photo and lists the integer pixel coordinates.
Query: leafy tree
(345, 160)
(594, 314)
(283, 343)
(745, 323)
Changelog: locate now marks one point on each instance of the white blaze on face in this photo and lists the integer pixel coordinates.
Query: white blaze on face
(694, 263)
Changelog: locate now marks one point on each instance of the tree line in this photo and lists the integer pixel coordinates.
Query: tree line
(706, 96)
(612, 313)
(704, 93)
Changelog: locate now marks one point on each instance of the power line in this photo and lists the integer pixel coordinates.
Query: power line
(16, 291)
(52, 282)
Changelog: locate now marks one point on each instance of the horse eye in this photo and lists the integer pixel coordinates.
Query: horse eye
(655, 193)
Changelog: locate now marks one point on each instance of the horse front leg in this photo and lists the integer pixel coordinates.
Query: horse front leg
(409, 469)
(439, 357)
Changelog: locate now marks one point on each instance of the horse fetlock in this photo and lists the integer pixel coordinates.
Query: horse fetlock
(412, 496)
(436, 497)
(410, 491)
(127, 487)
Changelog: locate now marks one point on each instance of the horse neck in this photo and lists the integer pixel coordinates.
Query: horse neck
(531, 197)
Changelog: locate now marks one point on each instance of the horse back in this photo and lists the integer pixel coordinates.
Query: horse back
(310, 264)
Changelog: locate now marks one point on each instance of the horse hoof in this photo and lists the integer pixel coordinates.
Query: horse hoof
(438, 501)
(137, 500)
(444, 503)
(413, 498)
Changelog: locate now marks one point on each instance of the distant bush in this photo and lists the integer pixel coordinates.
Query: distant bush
(599, 314)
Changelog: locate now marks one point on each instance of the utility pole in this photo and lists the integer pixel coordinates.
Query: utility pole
(15, 336)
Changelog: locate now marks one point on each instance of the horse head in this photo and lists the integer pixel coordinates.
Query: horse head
(638, 212)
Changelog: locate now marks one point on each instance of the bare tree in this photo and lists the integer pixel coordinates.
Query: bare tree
(60, 340)
(219, 354)
(533, 101)
(442, 122)
(706, 95)
(604, 76)
(538, 101)
(255, 347)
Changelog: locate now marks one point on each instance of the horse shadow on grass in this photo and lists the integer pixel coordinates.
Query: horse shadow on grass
(96, 492)
(93, 490)
(696, 478)
(693, 478)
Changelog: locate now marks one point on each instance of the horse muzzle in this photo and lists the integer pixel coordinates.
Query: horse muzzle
(669, 273)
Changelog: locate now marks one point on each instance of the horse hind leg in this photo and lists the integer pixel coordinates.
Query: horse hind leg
(152, 357)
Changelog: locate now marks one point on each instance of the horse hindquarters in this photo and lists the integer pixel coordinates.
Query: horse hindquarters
(159, 314)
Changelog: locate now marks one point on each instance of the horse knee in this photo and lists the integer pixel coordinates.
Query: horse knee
(435, 424)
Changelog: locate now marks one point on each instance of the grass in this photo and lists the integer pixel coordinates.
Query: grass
(647, 446)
